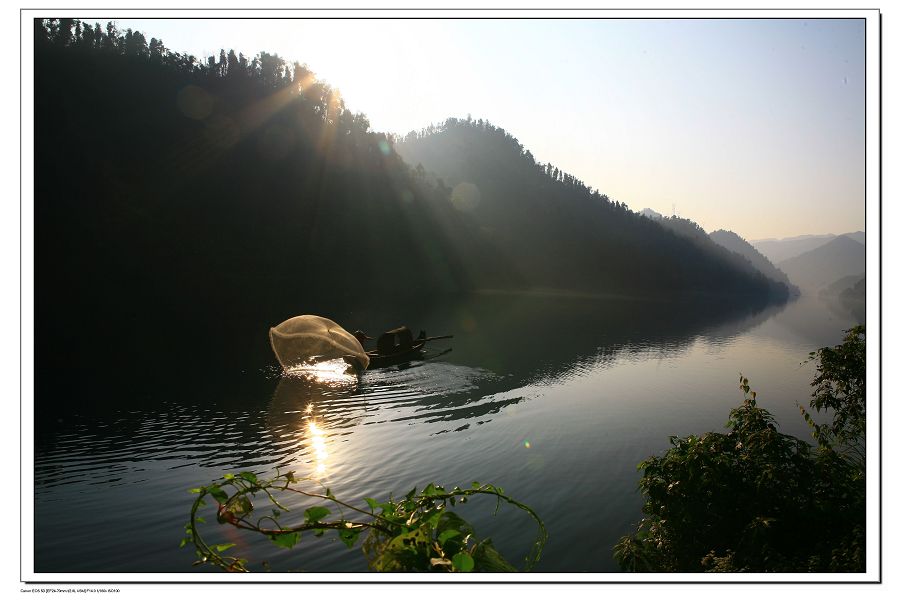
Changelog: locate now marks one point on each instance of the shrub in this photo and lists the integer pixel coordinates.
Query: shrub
(754, 499)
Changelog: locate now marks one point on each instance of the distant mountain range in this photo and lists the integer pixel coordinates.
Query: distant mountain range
(829, 265)
(836, 259)
(778, 250)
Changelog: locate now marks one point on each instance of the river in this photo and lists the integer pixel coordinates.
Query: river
(554, 398)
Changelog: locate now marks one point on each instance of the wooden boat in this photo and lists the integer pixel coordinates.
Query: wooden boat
(378, 360)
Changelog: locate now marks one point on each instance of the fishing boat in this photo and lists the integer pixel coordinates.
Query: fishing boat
(311, 339)
(396, 347)
(378, 360)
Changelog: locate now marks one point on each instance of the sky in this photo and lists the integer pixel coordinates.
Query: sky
(752, 125)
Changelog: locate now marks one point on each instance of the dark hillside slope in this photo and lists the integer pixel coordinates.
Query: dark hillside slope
(180, 209)
(726, 246)
(561, 233)
(732, 241)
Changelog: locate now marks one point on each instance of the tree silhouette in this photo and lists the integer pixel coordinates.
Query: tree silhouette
(174, 195)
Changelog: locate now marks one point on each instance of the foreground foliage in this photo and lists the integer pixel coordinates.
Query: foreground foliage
(415, 533)
(840, 386)
(758, 500)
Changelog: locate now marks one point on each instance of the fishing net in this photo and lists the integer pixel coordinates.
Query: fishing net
(310, 339)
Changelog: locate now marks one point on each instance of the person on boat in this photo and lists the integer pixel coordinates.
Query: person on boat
(361, 337)
(395, 341)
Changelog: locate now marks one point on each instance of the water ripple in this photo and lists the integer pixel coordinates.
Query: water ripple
(115, 449)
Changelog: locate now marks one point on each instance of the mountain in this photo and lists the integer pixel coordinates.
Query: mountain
(855, 296)
(651, 214)
(847, 295)
(183, 206)
(737, 244)
(563, 234)
(729, 247)
(841, 285)
(204, 202)
(859, 236)
(779, 250)
(824, 265)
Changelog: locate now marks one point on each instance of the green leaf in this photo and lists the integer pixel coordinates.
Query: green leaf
(349, 536)
(286, 540)
(247, 475)
(431, 518)
(372, 502)
(463, 563)
(489, 560)
(195, 491)
(228, 476)
(432, 490)
(316, 514)
(223, 547)
(217, 493)
(448, 534)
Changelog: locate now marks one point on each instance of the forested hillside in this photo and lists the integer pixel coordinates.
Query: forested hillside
(175, 200)
(562, 233)
(732, 241)
(179, 202)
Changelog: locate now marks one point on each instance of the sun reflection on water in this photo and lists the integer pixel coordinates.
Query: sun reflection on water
(327, 371)
(317, 443)
(309, 397)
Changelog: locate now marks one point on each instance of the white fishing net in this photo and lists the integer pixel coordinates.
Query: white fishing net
(310, 339)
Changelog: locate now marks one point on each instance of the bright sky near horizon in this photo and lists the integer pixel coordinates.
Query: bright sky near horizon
(752, 125)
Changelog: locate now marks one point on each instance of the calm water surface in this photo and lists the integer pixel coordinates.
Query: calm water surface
(554, 399)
